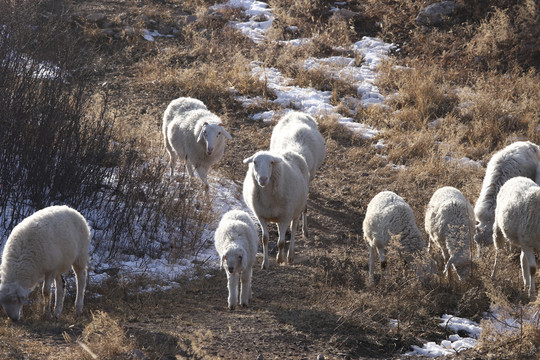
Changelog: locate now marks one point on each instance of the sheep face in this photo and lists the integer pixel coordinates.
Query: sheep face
(234, 261)
(212, 135)
(261, 165)
(482, 233)
(12, 298)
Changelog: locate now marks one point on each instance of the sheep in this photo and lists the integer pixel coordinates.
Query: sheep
(521, 158)
(275, 190)
(517, 219)
(236, 241)
(44, 246)
(298, 132)
(389, 215)
(191, 132)
(449, 222)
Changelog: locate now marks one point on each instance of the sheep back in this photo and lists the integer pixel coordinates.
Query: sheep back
(286, 196)
(449, 222)
(516, 214)
(237, 229)
(183, 132)
(521, 158)
(387, 215)
(177, 108)
(298, 132)
(50, 240)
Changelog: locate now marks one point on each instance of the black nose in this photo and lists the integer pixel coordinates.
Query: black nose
(231, 269)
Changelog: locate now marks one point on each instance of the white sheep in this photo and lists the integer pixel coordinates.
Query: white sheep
(191, 132)
(275, 190)
(521, 158)
(389, 215)
(236, 241)
(517, 218)
(45, 245)
(449, 222)
(298, 132)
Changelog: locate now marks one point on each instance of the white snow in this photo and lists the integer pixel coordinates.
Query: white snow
(455, 343)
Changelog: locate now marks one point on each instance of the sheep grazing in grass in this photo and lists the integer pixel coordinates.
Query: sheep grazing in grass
(298, 132)
(191, 132)
(450, 224)
(389, 215)
(276, 189)
(45, 245)
(236, 242)
(517, 218)
(521, 158)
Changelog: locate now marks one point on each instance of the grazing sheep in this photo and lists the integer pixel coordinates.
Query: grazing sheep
(236, 242)
(521, 158)
(276, 189)
(193, 133)
(44, 246)
(517, 218)
(450, 223)
(388, 215)
(298, 132)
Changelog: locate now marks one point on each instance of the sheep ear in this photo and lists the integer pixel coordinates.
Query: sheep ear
(276, 160)
(248, 160)
(226, 133)
(22, 295)
(201, 134)
(223, 258)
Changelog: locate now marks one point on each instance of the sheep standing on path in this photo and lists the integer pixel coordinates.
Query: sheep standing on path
(517, 218)
(45, 245)
(191, 132)
(389, 215)
(450, 224)
(521, 158)
(298, 132)
(236, 242)
(275, 190)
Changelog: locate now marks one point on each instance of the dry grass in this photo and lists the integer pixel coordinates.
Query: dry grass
(465, 89)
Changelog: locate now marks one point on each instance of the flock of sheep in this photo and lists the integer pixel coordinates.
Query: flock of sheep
(51, 241)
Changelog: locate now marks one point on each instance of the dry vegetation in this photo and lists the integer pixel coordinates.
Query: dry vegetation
(464, 89)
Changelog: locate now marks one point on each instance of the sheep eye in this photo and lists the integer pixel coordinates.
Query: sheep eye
(219, 133)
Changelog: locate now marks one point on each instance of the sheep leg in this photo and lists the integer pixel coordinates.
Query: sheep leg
(290, 253)
(172, 160)
(47, 296)
(232, 284)
(498, 239)
(282, 230)
(371, 260)
(305, 232)
(265, 237)
(188, 167)
(245, 290)
(203, 175)
(382, 257)
(59, 296)
(528, 269)
(81, 275)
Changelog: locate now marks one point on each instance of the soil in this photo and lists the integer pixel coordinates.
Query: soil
(297, 311)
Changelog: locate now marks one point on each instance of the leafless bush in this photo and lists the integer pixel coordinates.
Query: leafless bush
(60, 146)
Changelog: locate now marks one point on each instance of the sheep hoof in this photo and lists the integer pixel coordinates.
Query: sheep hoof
(231, 307)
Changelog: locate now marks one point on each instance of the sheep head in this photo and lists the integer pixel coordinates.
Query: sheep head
(13, 297)
(213, 135)
(261, 165)
(234, 260)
